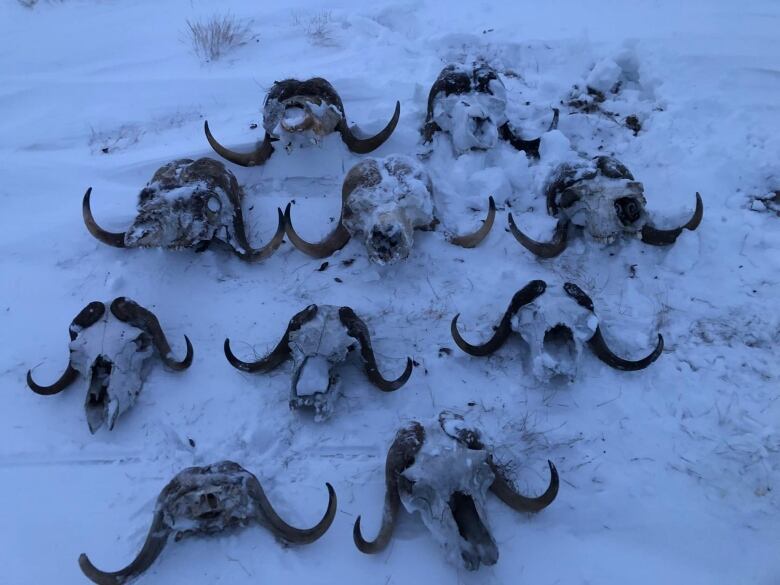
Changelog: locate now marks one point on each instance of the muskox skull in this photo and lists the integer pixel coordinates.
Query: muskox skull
(555, 326)
(205, 501)
(470, 104)
(444, 472)
(317, 340)
(601, 196)
(188, 204)
(113, 350)
(383, 200)
(303, 111)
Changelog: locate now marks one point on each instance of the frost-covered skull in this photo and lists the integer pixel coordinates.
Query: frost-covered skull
(318, 339)
(188, 204)
(555, 324)
(303, 112)
(383, 201)
(469, 103)
(444, 472)
(114, 351)
(602, 197)
(205, 501)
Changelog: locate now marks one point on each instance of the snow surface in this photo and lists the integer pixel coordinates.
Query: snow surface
(668, 475)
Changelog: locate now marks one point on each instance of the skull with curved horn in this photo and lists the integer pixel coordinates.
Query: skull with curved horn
(188, 204)
(444, 472)
(602, 197)
(318, 339)
(470, 104)
(555, 325)
(383, 200)
(113, 350)
(303, 111)
(206, 501)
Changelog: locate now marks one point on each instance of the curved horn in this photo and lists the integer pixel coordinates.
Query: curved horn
(400, 456)
(366, 145)
(337, 239)
(549, 249)
(131, 312)
(116, 239)
(254, 255)
(522, 297)
(153, 546)
(250, 159)
(282, 350)
(68, 377)
(283, 530)
(656, 237)
(507, 494)
(471, 240)
(599, 347)
(357, 329)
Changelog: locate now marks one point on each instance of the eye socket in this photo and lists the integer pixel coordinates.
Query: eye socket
(213, 205)
(628, 210)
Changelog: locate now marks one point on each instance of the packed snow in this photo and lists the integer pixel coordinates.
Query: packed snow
(668, 475)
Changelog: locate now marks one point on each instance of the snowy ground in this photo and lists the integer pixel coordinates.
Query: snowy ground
(669, 475)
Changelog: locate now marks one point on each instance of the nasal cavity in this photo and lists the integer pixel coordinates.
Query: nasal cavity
(98, 384)
(628, 210)
(559, 342)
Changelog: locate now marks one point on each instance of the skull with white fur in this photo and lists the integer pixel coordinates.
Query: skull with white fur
(444, 472)
(188, 204)
(206, 501)
(113, 350)
(602, 197)
(383, 201)
(303, 112)
(556, 327)
(318, 339)
(469, 103)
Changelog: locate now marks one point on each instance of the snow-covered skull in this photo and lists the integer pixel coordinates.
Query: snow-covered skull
(205, 501)
(318, 339)
(188, 204)
(383, 201)
(444, 471)
(555, 324)
(303, 112)
(114, 351)
(469, 103)
(601, 196)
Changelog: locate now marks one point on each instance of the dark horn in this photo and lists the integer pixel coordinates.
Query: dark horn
(254, 255)
(366, 145)
(68, 377)
(522, 297)
(656, 237)
(599, 347)
(549, 249)
(530, 147)
(251, 159)
(357, 329)
(131, 312)
(282, 350)
(473, 239)
(283, 530)
(507, 494)
(337, 239)
(400, 456)
(115, 239)
(153, 546)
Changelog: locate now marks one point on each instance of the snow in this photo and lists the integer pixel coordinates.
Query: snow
(668, 475)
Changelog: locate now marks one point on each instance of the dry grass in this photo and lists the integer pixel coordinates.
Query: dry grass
(217, 35)
(317, 27)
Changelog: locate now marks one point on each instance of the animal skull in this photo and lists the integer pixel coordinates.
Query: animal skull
(555, 326)
(206, 501)
(383, 201)
(444, 472)
(302, 112)
(318, 339)
(113, 350)
(602, 197)
(470, 104)
(188, 204)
